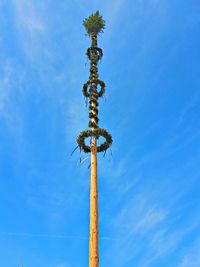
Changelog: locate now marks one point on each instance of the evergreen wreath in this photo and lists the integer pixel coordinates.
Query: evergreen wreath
(94, 51)
(97, 82)
(85, 89)
(97, 133)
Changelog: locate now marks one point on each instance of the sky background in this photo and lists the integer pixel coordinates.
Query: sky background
(149, 187)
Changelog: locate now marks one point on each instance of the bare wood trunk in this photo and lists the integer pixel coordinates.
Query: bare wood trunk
(93, 241)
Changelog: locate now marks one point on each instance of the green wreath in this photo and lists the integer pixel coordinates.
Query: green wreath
(99, 52)
(96, 82)
(81, 140)
(97, 132)
(85, 89)
(102, 132)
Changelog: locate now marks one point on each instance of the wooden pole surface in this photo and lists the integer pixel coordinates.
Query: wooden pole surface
(93, 240)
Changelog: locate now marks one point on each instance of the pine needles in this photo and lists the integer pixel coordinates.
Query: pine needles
(94, 24)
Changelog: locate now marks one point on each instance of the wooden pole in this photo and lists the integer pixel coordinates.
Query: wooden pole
(93, 240)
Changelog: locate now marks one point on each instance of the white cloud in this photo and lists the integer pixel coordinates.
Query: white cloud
(31, 29)
(151, 218)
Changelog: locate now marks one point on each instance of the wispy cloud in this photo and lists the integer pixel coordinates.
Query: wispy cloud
(151, 218)
(5, 85)
(56, 236)
(191, 103)
(28, 17)
(52, 236)
(31, 29)
(191, 258)
(76, 118)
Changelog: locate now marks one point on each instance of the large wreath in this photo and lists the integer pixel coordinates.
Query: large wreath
(97, 133)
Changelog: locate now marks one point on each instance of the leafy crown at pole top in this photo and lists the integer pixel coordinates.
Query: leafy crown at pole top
(94, 24)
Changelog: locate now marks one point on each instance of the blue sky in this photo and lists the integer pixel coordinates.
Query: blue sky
(149, 189)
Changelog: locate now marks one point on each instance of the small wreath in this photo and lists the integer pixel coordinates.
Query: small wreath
(98, 51)
(96, 82)
(97, 132)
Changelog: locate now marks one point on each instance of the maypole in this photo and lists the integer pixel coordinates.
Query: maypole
(93, 89)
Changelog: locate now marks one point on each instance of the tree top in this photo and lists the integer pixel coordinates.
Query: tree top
(94, 24)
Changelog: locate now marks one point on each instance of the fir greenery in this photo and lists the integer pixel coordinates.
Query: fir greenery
(94, 24)
(97, 133)
(94, 88)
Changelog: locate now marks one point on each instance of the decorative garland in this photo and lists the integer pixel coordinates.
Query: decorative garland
(93, 70)
(93, 115)
(93, 124)
(94, 109)
(97, 133)
(95, 102)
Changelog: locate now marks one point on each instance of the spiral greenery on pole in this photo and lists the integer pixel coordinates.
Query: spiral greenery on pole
(94, 88)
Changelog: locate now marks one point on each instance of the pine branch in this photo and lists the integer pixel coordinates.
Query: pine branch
(94, 24)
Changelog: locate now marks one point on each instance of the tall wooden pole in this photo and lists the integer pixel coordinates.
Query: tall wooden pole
(93, 239)
(94, 24)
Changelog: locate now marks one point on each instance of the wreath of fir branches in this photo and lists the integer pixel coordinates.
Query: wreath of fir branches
(97, 133)
(98, 52)
(96, 82)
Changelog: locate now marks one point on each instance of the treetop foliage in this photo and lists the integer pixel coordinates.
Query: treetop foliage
(94, 24)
